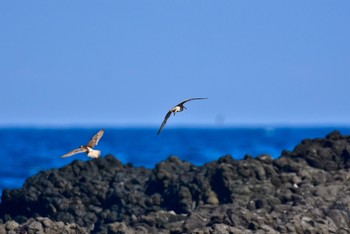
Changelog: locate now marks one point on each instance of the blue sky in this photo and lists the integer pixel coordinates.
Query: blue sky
(128, 62)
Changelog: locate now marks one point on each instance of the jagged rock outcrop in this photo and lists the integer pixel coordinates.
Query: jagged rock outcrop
(306, 190)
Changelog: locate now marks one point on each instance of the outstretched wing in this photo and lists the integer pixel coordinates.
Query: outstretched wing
(76, 151)
(164, 122)
(181, 103)
(94, 140)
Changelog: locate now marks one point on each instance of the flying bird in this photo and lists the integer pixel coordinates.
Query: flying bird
(178, 108)
(88, 149)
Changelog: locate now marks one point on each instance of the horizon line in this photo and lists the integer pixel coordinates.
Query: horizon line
(174, 126)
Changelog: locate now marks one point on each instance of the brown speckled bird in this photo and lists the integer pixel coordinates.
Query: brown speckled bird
(88, 149)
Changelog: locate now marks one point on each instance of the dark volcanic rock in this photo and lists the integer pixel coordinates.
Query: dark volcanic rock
(41, 225)
(303, 191)
(330, 153)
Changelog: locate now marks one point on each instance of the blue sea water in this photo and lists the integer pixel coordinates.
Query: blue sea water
(26, 151)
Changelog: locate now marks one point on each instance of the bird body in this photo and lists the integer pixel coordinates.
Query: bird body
(178, 108)
(88, 149)
(93, 153)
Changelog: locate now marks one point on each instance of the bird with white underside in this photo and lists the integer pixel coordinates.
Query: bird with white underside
(178, 108)
(88, 149)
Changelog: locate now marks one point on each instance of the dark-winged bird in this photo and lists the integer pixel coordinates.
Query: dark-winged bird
(88, 149)
(178, 108)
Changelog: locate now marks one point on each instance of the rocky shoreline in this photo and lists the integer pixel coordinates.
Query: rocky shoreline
(306, 190)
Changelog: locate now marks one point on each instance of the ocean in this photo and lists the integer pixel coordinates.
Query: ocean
(26, 151)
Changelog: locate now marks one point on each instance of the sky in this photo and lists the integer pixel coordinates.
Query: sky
(126, 63)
